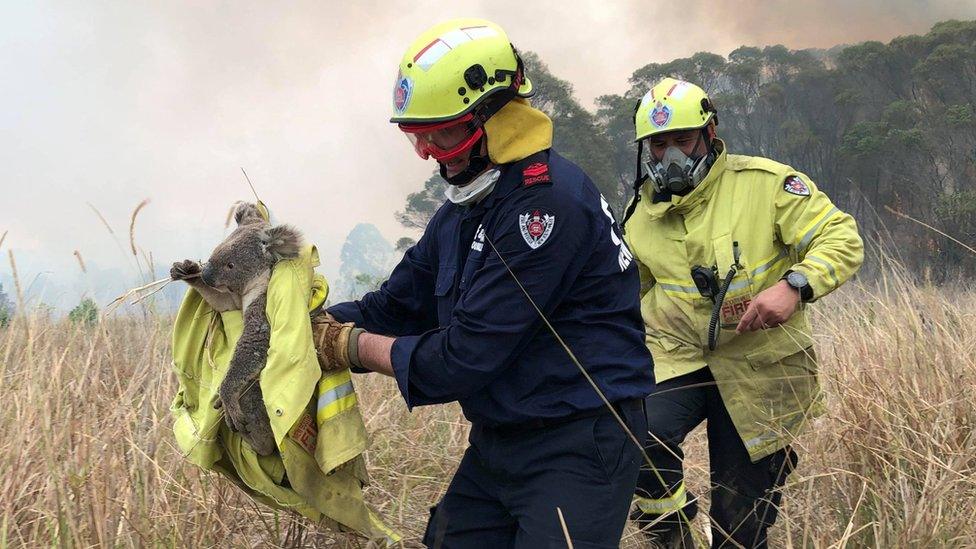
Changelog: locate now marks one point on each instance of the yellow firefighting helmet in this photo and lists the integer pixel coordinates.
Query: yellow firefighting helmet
(452, 68)
(672, 105)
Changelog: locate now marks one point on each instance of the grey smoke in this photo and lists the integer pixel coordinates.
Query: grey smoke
(110, 103)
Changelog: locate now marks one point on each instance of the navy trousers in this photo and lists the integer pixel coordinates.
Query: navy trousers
(511, 482)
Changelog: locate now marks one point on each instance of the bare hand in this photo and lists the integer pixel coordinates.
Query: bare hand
(772, 307)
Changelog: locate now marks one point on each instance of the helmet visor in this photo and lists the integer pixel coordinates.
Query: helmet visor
(444, 141)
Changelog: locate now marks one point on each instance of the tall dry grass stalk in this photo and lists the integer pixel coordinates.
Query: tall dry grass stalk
(16, 275)
(132, 225)
(87, 456)
(249, 184)
(115, 237)
(101, 218)
(81, 261)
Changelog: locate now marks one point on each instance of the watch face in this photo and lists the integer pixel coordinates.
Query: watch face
(797, 280)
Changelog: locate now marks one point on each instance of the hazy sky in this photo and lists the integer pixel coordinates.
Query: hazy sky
(110, 103)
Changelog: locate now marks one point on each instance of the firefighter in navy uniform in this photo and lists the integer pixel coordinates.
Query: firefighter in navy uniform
(730, 249)
(463, 330)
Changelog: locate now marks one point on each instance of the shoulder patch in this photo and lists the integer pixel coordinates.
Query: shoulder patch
(536, 226)
(535, 173)
(795, 185)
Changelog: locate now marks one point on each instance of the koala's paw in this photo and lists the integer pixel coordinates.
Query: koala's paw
(248, 417)
(231, 407)
(247, 212)
(184, 270)
(260, 437)
(233, 417)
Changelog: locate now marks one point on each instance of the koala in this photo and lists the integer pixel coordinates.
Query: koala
(236, 276)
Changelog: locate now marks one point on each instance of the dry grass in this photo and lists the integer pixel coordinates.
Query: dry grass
(81, 261)
(894, 462)
(132, 226)
(87, 457)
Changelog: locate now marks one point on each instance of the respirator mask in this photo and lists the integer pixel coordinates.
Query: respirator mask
(677, 173)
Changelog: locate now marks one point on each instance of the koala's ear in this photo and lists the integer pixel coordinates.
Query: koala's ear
(282, 242)
(246, 213)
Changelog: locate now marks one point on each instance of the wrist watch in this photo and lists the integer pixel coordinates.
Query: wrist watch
(799, 282)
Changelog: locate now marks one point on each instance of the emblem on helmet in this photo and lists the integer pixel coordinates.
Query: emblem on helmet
(401, 93)
(660, 115)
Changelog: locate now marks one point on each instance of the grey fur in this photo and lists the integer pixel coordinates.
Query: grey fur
(236, 277)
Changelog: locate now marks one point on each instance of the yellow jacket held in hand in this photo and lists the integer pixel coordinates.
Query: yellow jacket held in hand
(781, 221)
(319, 470)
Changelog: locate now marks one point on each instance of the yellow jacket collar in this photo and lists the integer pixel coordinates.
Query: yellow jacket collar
(698, 195)
(517, 131)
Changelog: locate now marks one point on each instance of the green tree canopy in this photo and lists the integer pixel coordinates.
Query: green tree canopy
(873, 124)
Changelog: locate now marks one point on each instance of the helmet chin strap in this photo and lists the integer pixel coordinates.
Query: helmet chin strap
(639, 180)
(477, 163)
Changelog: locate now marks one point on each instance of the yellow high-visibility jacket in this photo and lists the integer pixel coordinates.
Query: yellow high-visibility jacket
(319, 470)
(768, 378)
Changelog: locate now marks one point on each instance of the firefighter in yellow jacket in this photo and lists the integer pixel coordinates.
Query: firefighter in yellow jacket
(730, 248)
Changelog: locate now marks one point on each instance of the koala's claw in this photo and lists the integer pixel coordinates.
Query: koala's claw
(233, 419)
(232, 411)
(186, 269)
(262, 440)
(252, 427)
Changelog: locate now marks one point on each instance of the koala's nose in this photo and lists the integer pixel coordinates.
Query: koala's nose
(208, 275)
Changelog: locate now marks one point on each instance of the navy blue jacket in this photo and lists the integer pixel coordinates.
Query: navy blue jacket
(466, 332)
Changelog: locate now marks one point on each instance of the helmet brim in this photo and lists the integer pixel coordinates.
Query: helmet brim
(662, 131)
(525, 91)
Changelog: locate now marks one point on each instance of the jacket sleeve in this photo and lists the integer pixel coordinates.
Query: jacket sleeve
(404, 304)
(828, 246)
(493, 321)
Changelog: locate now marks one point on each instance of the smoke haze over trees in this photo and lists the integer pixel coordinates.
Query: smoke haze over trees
(367, 259)
(170, 105)
(874, 125)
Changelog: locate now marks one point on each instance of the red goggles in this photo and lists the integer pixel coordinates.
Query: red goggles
(444, 141)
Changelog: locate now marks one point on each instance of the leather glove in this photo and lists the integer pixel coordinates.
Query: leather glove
(336, 343)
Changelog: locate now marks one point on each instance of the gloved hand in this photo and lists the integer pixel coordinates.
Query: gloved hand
(336, 343)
